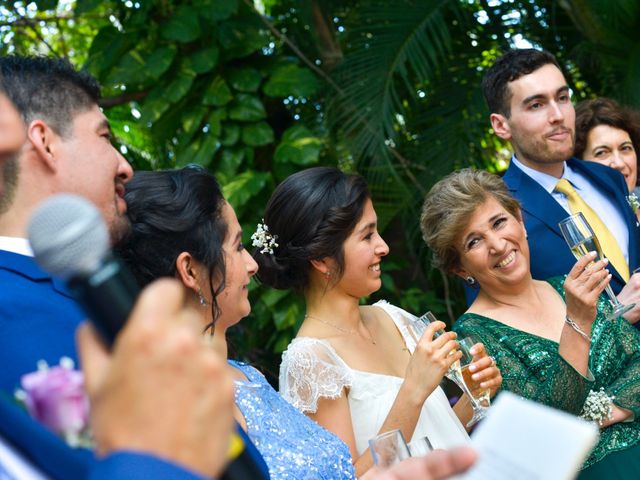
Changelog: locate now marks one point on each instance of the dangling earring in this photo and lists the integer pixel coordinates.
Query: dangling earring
(470, 280)
(201, 299)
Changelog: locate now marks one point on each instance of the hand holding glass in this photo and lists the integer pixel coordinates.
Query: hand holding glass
(455, 373)
(581, 240)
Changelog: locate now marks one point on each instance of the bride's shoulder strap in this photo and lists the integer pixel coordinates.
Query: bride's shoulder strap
(401, 318)
(312, 369)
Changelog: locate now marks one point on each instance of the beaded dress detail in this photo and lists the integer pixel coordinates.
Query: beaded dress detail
(293, 445)
(532, 367)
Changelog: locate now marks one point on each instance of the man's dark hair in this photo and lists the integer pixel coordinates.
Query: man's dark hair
(48, 88)
(509, 67)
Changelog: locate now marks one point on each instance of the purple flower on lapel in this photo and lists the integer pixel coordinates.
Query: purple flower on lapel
(55, 397)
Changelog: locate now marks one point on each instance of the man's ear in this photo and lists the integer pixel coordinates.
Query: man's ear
(42, 139)
(188, 270)
(500, 125)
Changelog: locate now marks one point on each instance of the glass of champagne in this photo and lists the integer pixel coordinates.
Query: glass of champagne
(480, 397)
(455, 373)
(581, 240)
(389, 448)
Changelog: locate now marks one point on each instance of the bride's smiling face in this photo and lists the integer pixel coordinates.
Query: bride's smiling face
(363, 252)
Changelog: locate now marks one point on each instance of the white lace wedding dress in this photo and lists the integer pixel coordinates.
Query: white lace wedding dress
(312, 369)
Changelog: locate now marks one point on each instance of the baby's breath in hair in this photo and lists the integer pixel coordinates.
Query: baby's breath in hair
(263, 239)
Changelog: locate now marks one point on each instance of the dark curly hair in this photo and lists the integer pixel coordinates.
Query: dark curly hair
(604, 111)
(171, 212)
(509, 67)
(312, 212)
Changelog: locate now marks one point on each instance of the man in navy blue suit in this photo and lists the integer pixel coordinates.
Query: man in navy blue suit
(531, 107)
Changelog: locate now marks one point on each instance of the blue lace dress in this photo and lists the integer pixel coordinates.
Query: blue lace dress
(293, 446)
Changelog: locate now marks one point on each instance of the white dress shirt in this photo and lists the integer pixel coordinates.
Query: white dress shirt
(16, 245)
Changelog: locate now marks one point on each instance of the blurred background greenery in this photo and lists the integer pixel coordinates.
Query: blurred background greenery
(256, 90)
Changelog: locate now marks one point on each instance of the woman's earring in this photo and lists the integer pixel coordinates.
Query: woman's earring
(327, 274)
(201, 299)
(470, 280)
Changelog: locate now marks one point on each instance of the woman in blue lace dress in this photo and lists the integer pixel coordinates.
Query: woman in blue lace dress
(181, 226)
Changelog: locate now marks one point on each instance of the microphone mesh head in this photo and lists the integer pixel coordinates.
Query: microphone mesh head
(68, 235)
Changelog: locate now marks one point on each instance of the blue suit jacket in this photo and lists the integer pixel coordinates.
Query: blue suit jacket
(57, 460)
(38, 319)
(550, 255)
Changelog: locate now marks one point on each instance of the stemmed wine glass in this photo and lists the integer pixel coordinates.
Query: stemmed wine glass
(581, 240)
(455, 372)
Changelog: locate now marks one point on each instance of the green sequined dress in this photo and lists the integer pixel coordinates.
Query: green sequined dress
(532, 367)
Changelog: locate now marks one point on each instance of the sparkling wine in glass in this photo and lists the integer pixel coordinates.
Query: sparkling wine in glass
(389, 448)
(581, 240)
(480, 397)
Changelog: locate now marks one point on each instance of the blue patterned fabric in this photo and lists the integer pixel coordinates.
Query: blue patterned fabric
(294, 446)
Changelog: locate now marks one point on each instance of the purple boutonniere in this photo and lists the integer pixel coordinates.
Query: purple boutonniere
(55, 397)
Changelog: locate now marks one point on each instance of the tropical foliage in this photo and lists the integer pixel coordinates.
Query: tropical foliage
(257, 90)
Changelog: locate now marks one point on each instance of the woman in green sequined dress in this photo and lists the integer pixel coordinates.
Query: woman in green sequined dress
(550, 339)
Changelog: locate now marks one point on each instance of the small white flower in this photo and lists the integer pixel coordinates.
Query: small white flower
(598, 406)
(634, 203)
(263, 239)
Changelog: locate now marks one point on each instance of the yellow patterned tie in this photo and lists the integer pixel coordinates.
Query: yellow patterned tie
(608, 242)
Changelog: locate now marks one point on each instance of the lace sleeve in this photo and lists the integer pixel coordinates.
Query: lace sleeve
(311, 369)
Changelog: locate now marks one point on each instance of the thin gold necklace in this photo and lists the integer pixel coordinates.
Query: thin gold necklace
(344, 330)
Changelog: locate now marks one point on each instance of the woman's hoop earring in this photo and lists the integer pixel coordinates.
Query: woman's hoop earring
(471, 281)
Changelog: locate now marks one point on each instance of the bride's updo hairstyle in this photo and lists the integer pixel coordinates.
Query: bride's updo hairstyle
(311, 213)
(175, 211)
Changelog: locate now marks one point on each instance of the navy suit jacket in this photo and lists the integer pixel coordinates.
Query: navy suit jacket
(38, 319)
(550, 255)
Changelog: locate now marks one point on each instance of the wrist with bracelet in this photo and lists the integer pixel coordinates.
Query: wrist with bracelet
(576, 327)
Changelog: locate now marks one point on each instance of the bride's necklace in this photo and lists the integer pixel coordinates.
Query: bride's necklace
(344, 330)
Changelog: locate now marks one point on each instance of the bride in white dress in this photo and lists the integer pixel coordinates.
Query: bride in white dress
(354, 369)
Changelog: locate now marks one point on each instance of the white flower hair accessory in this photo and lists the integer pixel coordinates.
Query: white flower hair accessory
(263, 239)
(634, 203)
(598, 406)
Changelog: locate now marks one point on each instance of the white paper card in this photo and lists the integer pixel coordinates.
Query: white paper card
(524, 440)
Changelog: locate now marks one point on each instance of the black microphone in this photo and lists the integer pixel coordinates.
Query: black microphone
(70, 240)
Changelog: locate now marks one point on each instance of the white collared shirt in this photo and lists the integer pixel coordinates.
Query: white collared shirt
(608, 212)
(16, 245)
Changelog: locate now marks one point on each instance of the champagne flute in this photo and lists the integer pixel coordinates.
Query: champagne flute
(581, 240)
(455, 371)
(389, 448)
(480, 397)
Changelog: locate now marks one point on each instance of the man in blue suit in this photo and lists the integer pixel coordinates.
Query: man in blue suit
(67, 149)
(65, 146)
(531, 107)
